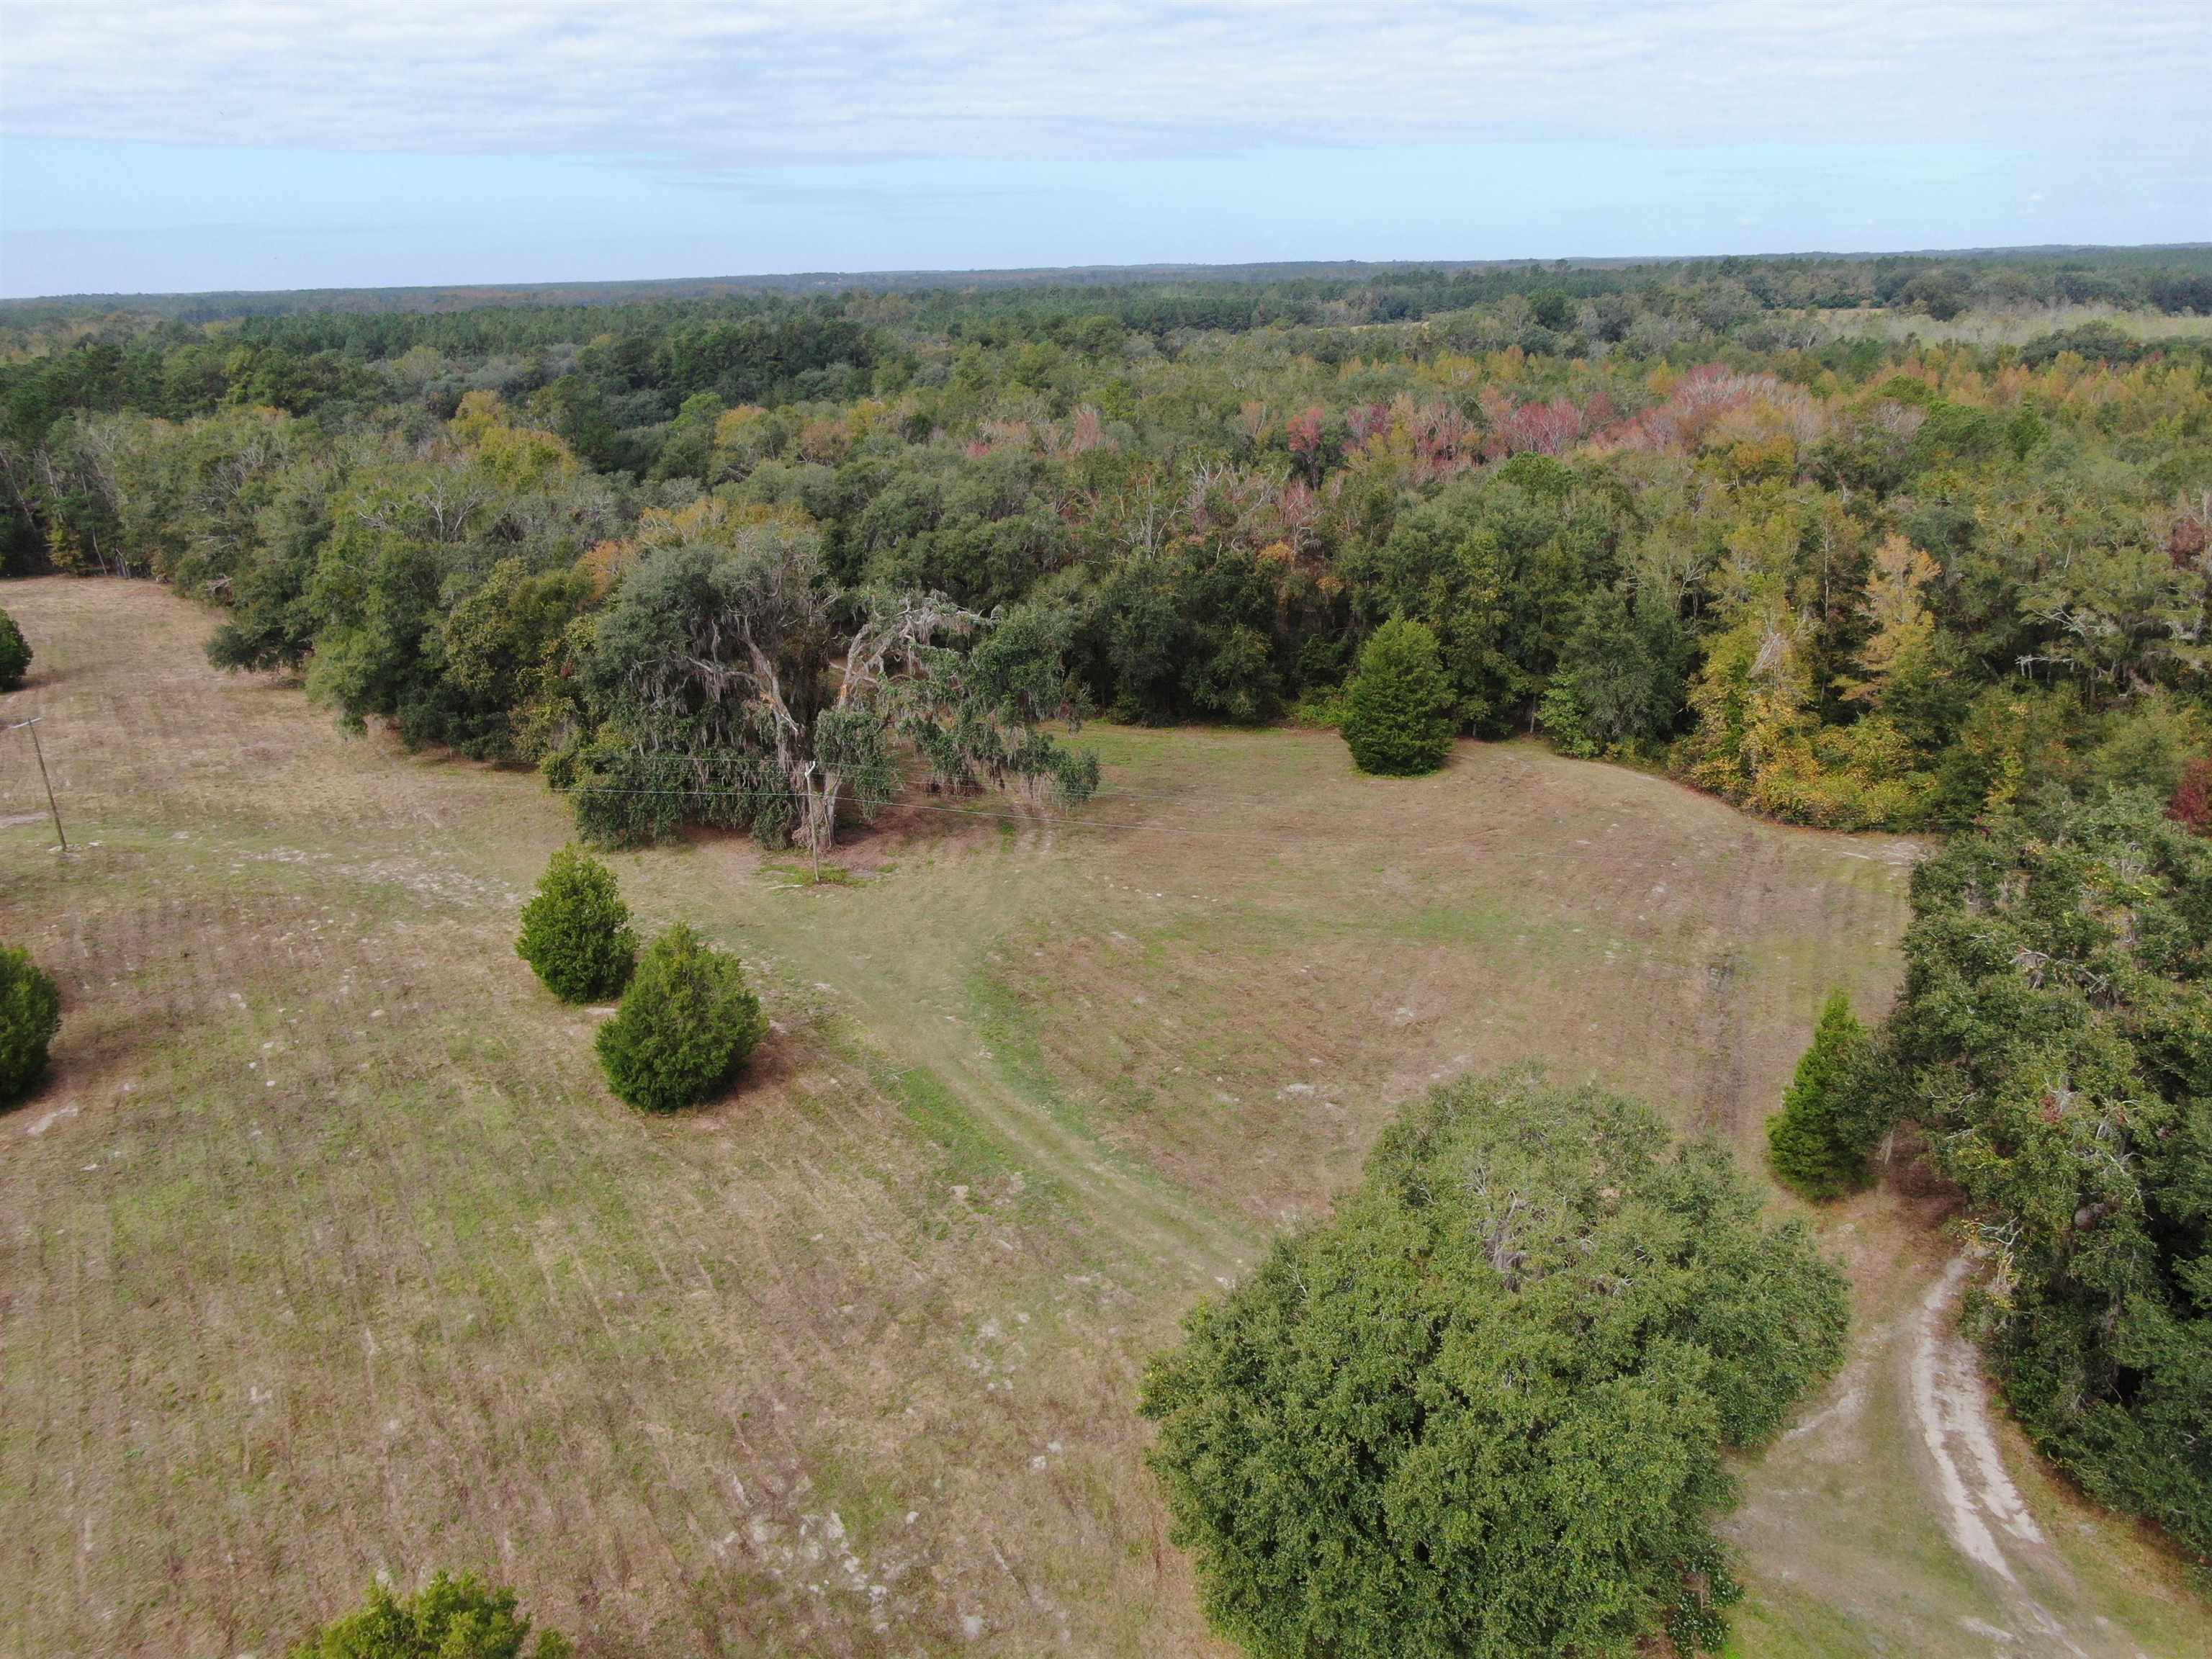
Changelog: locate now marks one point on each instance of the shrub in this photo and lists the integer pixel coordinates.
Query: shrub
(1561, 714)
(1832, 1116)
(686, 1023)
(624, 797)
(30, 1014)
(1483, 1412)
(15, 654)
(576, 931)
(1398, 715)
(2190, 803)
(459, 1617)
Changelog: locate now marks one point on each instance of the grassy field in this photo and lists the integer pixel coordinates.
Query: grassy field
(324, 1251)
(2014, 327)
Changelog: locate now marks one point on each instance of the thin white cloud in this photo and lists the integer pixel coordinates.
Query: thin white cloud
(701, 85)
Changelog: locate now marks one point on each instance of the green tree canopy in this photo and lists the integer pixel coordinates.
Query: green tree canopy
(686, 1023)
(1619, 680)
(1482, 1412)
(2056, 1032)
(30, 1014)
(1398, 717)
(575, 929)
(731, 670)
(15, 654)
(1843, 581)
(1498, 564)
(448, 1618)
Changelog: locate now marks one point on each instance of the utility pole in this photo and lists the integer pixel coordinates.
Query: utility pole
(39, 749)
(806, 818)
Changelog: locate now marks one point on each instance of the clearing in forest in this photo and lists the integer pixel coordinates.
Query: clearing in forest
(325, 1251)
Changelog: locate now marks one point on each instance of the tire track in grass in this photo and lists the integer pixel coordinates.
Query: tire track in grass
(1127, 1198)
(1974, 1495)
(977, 1084)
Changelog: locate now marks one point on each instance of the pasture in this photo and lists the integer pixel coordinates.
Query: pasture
(324, 1250)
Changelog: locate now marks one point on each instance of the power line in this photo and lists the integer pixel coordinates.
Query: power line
(1056, 820)
(1195, 797)
(923, 806)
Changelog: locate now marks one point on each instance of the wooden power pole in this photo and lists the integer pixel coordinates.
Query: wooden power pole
(39, 749)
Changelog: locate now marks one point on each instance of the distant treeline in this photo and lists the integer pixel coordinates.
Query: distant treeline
(2168, 278)
(1666, 513)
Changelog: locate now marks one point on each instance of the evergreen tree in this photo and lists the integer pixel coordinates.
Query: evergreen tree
(448, 1618)
(30, 1014)
(1483, 1412)
(576, 931)
(1400, 719)
(15, 654)
(686, 1023)
(1819, 1141)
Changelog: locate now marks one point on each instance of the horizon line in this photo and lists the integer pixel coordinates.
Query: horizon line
(1165, 269)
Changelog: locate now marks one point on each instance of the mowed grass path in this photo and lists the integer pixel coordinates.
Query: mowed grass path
(325, 1252)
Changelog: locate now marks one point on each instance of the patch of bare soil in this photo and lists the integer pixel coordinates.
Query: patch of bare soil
(1981, 1509)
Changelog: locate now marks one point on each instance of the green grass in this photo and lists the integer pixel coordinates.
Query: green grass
(2008, 327)
(805, 875)
(974, 1157)
(1775, 1623)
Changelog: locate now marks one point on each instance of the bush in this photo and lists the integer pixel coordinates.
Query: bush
(1832, 1116)
(576, 931)
(459, 1617)
(30, 1014)
(686, 1023)
(624, 798)
(2190, 803)
(1483, 1412)
(1399, 711)
(1560, 713)
(15, 654)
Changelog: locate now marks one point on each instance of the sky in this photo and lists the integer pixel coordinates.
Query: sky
(206, 144)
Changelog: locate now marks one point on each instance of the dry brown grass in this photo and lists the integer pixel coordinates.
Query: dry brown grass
(324, 1251)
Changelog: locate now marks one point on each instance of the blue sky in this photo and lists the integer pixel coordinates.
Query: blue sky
(265, 143)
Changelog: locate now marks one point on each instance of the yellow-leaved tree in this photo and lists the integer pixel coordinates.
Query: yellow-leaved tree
(1903, 627)
(1760, 741)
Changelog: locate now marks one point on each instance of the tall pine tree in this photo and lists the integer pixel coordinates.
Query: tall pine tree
(1832, 1117)
(1401, 720)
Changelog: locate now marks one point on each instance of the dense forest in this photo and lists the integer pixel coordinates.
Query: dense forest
(1755, 521)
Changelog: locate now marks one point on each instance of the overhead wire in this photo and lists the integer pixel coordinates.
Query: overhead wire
(1196, 799)
(1053, 820)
